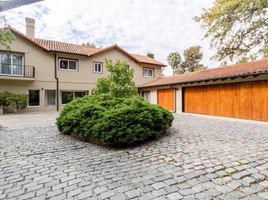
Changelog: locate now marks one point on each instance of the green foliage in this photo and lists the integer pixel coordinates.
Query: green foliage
(190, 62)
(6, 36)
(88, 44)
(246, 59)
(114, 121)
(119, 82)
(5, 99)
(192, 59)
(237, 28)
(174, 60)
(151, 55)
(19, 100)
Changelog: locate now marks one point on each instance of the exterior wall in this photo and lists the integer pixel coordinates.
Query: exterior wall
(84, 79)
(138, 69)
(179, 100)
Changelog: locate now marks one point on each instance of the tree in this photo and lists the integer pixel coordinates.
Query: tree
(5, 99)
(265, 52)
(174, 60)
(6, 36)
(151, 55)
(19, 100)
(246, 59)
(236, 28)
(87, 44)
(119, 82)
(192, 59)
(190, 63)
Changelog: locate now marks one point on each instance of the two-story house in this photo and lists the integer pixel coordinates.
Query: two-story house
(53, 73)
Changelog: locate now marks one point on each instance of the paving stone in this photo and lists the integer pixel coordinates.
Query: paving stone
(263, 195)
(85, 195)
(203, 158)
(132, 194)
(118, 197)
(174, 196)
(158, 185)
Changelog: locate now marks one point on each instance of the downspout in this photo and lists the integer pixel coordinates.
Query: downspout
(57, 82)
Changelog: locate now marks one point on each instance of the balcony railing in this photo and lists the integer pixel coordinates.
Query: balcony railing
(25, 71)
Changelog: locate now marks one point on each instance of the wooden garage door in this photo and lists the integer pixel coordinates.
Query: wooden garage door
(247, 100)
(165, 98)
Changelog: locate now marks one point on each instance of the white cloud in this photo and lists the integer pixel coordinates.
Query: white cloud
(140, 26)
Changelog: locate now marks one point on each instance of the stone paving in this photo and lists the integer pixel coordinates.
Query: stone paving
(200, 158)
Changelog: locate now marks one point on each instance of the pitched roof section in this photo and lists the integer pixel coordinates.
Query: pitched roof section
(245, 69)
(56, 46)
(65, 47)
(147, 60)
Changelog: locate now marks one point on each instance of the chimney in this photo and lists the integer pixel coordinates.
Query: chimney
(30, 27)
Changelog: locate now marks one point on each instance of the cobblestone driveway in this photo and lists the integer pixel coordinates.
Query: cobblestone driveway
(202, 158)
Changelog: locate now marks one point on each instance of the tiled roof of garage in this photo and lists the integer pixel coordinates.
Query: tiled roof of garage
(231, 71)
(56, 46)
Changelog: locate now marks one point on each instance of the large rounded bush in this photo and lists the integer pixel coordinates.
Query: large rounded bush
(114, 121)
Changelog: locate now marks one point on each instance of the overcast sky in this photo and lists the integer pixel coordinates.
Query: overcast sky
(139, 26)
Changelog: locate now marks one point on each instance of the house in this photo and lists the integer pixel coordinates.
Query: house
(238, 91)
(53, 73)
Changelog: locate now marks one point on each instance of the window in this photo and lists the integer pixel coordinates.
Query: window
(11, 64)
(34, 98)
(50, 97)
(146, 96)
(67, 96)
(68, 64)
(98, 66)
(148, 72)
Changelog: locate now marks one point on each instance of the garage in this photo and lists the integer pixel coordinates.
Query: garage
(166, 99)
(245, 100)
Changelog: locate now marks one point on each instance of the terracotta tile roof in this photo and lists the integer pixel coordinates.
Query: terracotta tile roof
(56, 46)
(65, 47)
(146, 59)
(245, 69)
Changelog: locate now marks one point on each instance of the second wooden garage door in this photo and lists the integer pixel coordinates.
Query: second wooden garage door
(247, 100)
(166, 99)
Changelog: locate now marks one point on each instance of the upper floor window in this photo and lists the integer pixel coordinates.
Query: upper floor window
(98, 67)
(148, 72)
(68, 64)
(11, 64)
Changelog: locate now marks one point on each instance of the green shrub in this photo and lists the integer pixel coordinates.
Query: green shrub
(8, 99)
(5, 99)
(19, 100)
(114, 121)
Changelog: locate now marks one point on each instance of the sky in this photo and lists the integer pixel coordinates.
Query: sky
(139, 26)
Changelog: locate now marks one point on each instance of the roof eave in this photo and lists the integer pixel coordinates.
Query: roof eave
(211, 79)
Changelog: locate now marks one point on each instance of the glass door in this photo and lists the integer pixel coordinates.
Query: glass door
(17, 68)
(5, 63)
(11, 64)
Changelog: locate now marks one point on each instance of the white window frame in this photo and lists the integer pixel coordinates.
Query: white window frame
(37, 106)
(11, 65)
(73, 94)
(101, 64)
(148, 69)
(68, 68)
